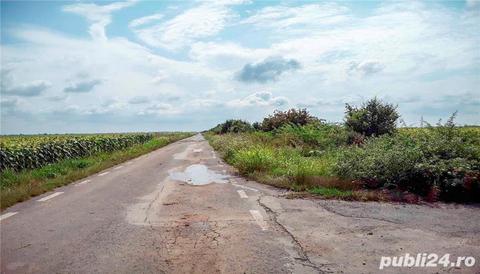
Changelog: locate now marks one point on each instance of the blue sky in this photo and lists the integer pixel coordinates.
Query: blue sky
(111, 66)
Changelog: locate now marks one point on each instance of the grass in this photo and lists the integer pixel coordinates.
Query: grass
(331, 192)
(269, 161)
(19, 186)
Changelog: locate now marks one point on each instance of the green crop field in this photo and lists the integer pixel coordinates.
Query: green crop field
(33, 164)
(27, 152)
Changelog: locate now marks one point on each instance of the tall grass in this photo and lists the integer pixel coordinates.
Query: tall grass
(263, 157)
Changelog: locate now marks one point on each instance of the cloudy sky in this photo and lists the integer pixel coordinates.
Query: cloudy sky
(87, 66)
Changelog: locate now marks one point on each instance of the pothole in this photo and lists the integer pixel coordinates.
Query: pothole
(199, 175)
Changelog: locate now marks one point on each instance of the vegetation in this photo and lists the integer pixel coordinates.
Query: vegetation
(441, 161)
(16, 186)
(331, 192)
(295, 117)
(409, 164)
(27, 152)
(232, 126)
(373, 118)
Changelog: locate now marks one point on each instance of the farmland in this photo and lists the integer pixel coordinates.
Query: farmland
(300, 152)
(29, 152)
(33, 164)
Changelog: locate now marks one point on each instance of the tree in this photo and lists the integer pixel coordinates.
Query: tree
(373, 118)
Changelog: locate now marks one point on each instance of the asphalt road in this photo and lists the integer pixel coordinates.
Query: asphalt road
(181, 210)
(139, 217)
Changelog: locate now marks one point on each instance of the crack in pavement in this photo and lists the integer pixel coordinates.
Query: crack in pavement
(215, 232)
(150, 206)
(155, 244)
(303, 257)
(327, 208)
(209, 234)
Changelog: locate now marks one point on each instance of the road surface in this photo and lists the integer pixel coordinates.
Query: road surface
(180, 209)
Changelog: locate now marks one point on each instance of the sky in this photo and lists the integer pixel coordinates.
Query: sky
(108, 66)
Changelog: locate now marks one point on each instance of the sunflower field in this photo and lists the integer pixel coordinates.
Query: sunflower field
(33, 151)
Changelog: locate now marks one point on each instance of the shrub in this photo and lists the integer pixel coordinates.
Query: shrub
(298, 117)
(418, 160)
(381, 161)
(373, 118)
(355, 138)
(314, 136)
(232, 126)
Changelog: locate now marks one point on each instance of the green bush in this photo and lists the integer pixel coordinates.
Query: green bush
(386, 160)
(441, 157)
(298, 117)
(373, 118)
(233, 126)
(314, 136)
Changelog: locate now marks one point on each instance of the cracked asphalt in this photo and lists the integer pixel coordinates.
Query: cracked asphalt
(141, 218)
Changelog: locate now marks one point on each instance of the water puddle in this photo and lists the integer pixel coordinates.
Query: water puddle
(199, 175)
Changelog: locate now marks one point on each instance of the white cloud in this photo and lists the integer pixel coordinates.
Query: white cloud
(408, 50)
(264, 98)
(207, 51)
(203, 103)
(159, 109)
(306, 16)
(160, 77)
(394, 36)
(145, 20)
(129, 69)
(98, 15)
(473, 3)
(227, 55)
(199, 22)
